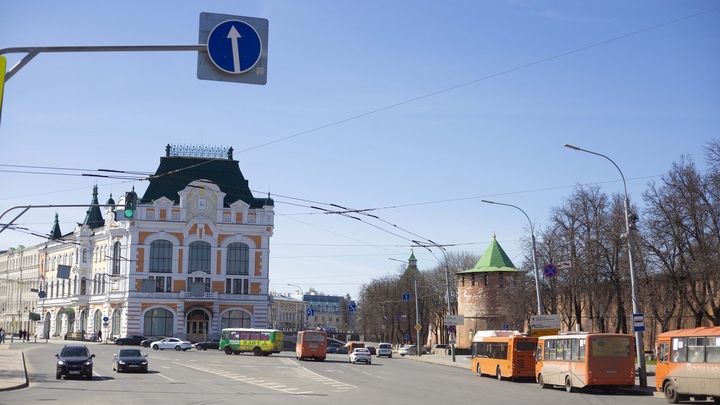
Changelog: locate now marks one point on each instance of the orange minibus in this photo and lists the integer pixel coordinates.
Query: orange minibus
(577, 360)
(503, 354)
(311, 344)
(688, 364)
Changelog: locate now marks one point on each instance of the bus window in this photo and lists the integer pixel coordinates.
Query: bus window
(575, 348)
(696, 350)
(559, 349)
(581, 343)
(663, 353)
(679, 350)
(567, 348)
(713, 350)
(549, 350)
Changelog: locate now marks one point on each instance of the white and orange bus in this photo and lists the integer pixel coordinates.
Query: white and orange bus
(503, 354)
(578, 360)
(311, 344)
(688, 364)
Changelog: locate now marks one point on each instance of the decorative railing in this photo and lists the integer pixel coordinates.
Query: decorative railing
(216, 152)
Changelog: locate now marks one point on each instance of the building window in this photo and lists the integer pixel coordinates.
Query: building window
(235, 319)
(237, 286)
(161, 255)
(116, 259)
(487, 279)
(238, 259)
(162, 283)
(84, 255)
(500, 279)
(198, 280)
(158, 322)
(199, 257)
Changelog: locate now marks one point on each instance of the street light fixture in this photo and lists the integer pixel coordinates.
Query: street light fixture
(541, 310)
(639, 344)
(304, 315)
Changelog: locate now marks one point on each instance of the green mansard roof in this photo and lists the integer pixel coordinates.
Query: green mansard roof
(493, 260)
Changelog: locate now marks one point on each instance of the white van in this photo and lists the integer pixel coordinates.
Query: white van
(384, 349)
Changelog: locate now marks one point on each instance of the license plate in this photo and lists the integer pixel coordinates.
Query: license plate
(133, 366)
(611, 372)
(74, 372)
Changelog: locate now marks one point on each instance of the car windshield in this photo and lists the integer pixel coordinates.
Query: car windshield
(129, 353)
(75, 352)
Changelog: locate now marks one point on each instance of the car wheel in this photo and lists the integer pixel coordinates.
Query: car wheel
(120, 343)
(58, 376)
(155, 347)
(178, 348)
(199, 347)
(228, 350)
(390, 356)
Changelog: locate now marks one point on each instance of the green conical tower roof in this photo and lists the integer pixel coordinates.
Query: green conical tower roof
(494, 259)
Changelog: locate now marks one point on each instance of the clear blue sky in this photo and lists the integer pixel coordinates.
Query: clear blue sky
(422, 108)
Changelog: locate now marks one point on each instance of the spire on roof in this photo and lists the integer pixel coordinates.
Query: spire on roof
(93, 217)
(55, 232)
(494, 259)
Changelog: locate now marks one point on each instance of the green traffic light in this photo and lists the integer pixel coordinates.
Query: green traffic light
(128, 213)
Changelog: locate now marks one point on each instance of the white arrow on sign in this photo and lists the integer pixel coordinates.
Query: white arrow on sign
(234, 36)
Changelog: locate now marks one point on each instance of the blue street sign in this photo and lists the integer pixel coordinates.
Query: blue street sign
(638, 322)
(506, 326)
(310, 312)
(234, 46)
(406, 336)
(352, 307)
(550, 270)
(105, 319)
(406, 297)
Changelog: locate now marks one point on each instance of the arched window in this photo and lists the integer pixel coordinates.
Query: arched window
(238, 259)
(235, 319)
(116, 321)
(83, 286)
(58, 323)
(116, 259)
(158, 322)
(199, 259)
(97, 321)
(161, 256)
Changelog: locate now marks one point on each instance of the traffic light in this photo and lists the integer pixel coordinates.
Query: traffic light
(130, 204)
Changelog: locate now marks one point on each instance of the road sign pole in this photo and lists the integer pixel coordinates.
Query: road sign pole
(418, 335)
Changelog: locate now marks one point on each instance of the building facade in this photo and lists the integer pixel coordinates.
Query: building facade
(189, 259)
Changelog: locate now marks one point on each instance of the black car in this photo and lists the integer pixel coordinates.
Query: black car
(213, 344)
(130, 360)
(135, 340)
(149, 341)
(74, 360)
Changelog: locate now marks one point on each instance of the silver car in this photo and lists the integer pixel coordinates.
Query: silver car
(171, 343)
(384, 349)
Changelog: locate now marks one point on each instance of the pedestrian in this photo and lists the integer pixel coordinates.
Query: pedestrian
(99, 338)
(2, 336)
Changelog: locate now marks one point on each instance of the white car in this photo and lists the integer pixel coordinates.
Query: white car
(410, 349)
(361, 354)
(384, 349)
(171, 343)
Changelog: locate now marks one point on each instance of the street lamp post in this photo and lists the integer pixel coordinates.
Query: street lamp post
(302, 294)
(639, 344)
(540, 305)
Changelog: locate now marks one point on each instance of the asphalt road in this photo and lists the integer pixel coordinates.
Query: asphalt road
(199, 377)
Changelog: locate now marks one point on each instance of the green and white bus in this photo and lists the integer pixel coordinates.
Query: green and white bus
(260, 342)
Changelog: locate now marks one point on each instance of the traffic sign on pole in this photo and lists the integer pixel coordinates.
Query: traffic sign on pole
(236, 48)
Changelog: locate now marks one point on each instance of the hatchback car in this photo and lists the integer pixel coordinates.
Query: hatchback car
(129, 360)
(74, 360)
(434, 349)
(171, 343)
(208, 344)
(410, 350)
(360, 354)
(384, 349)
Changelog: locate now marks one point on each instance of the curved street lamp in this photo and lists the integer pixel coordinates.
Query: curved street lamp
(541, 310)
(639, 344)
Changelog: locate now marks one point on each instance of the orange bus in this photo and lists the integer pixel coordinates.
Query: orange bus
(688, 364)
(503, 354)
(578, 360)
(311, 344)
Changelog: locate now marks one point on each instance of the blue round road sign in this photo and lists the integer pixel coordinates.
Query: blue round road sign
(234, 46)
(550, 271)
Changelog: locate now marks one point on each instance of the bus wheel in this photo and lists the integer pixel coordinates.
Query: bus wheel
(671, 394)
(478, 370)
(541, 382)
(498, 374)
(568, 384)
(228, 350)
(257, 351)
